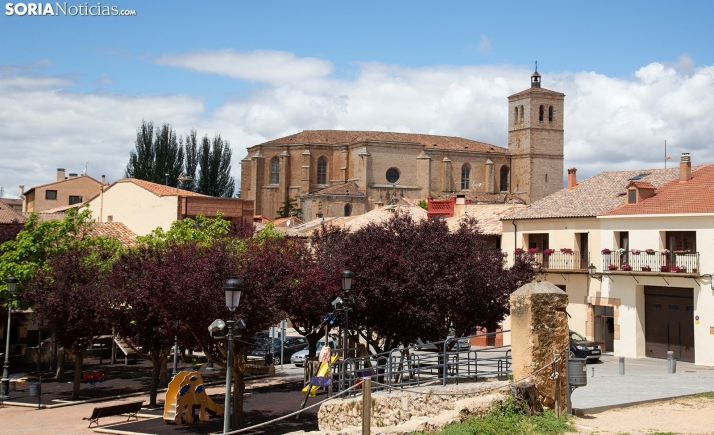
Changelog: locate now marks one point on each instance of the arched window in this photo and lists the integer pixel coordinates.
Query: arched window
(504, 179)
(550, 114)
(541, 112)
(348, 210)
(465, 176)
(274, 171)
(522, 115)
(322, 170)
(515, 115)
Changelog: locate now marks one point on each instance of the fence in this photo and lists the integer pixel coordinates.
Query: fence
(453, 361)
(557, 260)
(656, 261)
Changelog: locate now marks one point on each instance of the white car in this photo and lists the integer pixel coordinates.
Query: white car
(298, 358)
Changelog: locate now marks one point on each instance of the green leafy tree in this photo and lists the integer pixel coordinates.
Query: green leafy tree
(189, 172)
(423, 204)
(157, 153)
(289, 208)
(214, 158)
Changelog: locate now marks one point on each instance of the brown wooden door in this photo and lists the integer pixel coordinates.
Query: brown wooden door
(669, 322)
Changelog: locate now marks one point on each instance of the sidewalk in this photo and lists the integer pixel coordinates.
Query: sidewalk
(645, 380)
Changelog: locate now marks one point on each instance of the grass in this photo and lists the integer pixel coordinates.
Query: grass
(504, 419)
(709, 395)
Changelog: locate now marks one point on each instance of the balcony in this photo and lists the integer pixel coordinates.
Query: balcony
(657, 261)
(564, 261)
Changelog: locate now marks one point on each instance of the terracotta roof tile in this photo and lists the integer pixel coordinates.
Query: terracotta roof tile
(64, 181)
(8, 215)
(46, 217)
(676, 197)
(334, 137)
(341, 189)
(116, 230)
(593, 196)
(536, 91)
(158, 189)
(488, 217)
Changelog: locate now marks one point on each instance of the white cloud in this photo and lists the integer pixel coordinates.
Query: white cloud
(610, 123)
(268, 66)
(484, 45)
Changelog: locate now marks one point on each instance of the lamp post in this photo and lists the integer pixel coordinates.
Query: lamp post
(233, 288)
(174, 372)
(346, 277)
(11, 286)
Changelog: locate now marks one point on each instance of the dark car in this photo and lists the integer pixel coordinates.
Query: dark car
(582, 348)
(292, 345)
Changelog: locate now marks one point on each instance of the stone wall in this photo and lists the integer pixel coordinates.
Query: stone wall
(398, 407)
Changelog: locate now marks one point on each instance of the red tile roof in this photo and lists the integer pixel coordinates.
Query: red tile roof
(116, 230)
(334, 137)
(536, 91)
(8, 215)
(676, 197)
(158, 189)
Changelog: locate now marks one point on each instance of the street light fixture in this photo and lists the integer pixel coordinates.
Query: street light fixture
(591, 271)
(233, 288)
(11, 286)
(347, 303)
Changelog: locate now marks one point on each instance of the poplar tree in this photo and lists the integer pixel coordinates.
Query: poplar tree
(214, 158)
(157, 154)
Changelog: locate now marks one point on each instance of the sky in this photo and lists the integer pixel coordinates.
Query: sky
(74, 88)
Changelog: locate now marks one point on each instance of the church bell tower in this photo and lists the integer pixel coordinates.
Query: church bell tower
(535, 141)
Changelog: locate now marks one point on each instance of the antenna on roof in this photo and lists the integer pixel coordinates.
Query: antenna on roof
(181, 179)
(666, 157)
(536, 70)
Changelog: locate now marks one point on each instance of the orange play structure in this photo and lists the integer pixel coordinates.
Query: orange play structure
(186, 394)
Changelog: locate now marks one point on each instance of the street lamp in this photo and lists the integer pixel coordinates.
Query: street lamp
(346, 277)
(233, 288)
(591, 271)
(11, 286)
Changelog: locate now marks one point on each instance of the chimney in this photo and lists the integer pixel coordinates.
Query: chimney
(72, 175)
(60, 174)
(22, 196)
(685, 167)
(104, 179)
(22, 190)
(572, 178)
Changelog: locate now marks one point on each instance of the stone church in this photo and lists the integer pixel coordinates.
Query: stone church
(342, 173)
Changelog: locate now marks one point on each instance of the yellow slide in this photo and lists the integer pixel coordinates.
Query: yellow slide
(322, 372)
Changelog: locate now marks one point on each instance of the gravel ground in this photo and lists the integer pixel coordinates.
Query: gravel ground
(687, 415)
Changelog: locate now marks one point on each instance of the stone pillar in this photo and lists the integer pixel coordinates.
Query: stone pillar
(305, 172)
(446, 175)
(284, 185)
(362, 170)
(490, 181)
(256, 181)
(539, 329)
(423, 167)
(344, 162)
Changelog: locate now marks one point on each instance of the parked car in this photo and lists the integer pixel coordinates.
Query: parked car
(582, 348)
(462, 343)
(292, 345)
(298, 358)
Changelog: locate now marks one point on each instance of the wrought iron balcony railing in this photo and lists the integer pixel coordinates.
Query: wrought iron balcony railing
(651, 262)
(564, 260)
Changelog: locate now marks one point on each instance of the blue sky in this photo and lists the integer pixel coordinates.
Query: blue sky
(76, 88)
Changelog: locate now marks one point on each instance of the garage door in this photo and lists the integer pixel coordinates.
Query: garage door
(669, 322)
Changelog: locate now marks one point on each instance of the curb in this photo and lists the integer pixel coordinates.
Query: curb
(581, 412)
(106, 399)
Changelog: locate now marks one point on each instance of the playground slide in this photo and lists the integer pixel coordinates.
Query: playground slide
(322, 372)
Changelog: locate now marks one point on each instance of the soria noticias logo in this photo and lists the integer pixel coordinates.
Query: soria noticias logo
(57, 8)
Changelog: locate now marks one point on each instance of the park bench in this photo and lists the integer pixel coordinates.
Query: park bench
(131, 408)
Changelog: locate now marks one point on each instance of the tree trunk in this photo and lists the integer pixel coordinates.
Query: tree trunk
(60, 364)
(238, 391)
(156, 362)
(526, 398)
(78, 360)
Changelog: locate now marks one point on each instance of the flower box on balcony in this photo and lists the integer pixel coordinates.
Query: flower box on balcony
(612, 267)
(566, 250)
(664, 269)
(650, 251)
(626, 267)
(606, 251)
(646, 269)
(548, 251)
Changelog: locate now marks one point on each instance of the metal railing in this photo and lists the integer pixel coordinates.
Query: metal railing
(412, 366)
(651, 262)
(558, 260)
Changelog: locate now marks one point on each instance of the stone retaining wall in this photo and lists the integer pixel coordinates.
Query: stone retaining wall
(398, 407)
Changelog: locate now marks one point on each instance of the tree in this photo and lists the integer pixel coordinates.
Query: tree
(191, 162)
(68, 298)
(289, 208)
(422, 281)
(157, 154)
(139, 282)
(28, 253)
(9, 231)
(214, 157)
